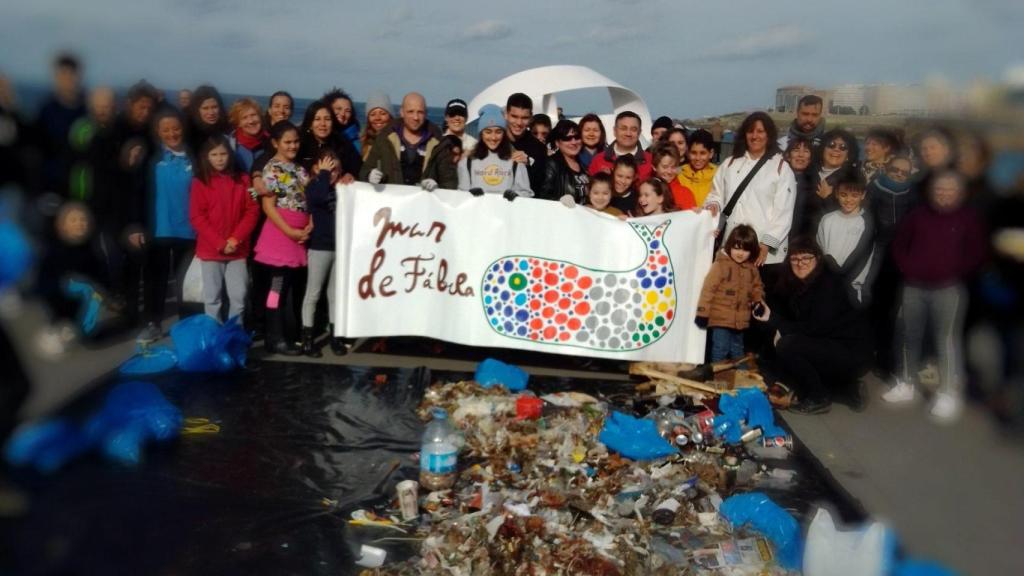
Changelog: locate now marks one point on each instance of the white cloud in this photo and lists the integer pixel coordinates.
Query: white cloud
(487, 30)
(775, 41)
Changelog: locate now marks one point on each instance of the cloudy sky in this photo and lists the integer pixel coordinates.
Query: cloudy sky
(685, 58)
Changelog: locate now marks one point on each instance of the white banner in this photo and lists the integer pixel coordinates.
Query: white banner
(529, 274)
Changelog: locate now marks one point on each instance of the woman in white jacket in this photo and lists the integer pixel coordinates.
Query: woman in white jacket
(767, 203)
(489, 166)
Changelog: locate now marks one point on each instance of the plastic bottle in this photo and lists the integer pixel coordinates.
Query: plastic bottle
(439, 453)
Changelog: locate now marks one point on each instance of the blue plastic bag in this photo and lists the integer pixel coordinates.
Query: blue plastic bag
(15, 252)
(47, 445)
(89, 303)
(133, 414)
(748, 405)
(492, 372)
(634, 438)
(204, 345)
(151, 360)
(768, 518)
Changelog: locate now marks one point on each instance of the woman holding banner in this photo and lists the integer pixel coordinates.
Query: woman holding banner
(489, 167)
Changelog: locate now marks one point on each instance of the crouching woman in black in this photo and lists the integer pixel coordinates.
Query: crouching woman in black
(821, 341)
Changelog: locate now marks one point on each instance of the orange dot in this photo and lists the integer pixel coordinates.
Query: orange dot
(663, 260)
(567, 287)
(534, 304)
(585, 282)
(534, 335)
(550, 296)
(574, 324)
(549, 332)
(537, 272)
(561, 318)
(548, 312)
(583, 308)
(668, 314)
(577, 295)
(650, 259)
(564, 303)
(571, 272)
(536, 324)
(564, 336)
(551, 265)
(537, 288)
(653, 267)
(551, 279)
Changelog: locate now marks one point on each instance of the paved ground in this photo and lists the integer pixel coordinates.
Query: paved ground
(953, 494)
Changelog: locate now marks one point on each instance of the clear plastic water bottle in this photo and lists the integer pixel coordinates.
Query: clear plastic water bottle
(439, 453)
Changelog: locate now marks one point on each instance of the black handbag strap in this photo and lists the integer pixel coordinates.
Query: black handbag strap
(727, 211)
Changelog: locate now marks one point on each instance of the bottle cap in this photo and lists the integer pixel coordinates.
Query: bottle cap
(439, 414)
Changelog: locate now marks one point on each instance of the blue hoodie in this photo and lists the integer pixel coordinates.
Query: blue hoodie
(171, 184)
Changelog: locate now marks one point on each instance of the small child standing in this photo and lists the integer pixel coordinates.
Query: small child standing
(623, 175)
(224, 215)
(846, 236)
(937, 246)
(323, 200)
(599, 194)
(731, 289)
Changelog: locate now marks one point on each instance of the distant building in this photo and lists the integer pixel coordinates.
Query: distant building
(892, 99)
(882, 99)
(787, 97)
(849, 96)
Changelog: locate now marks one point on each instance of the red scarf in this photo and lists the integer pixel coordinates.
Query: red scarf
(250, 142)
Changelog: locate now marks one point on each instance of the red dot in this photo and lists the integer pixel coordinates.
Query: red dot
(577, 295)
(650, 259)
(535, 304)
(550, 279)
(564, 336)
(571, 272)
(585, 282)
(537, 288)
(534, 336)
(548, 312)
(536, 324)
(537, 272)
(657, 233)
(583, 308)
(663, 260)
(561, 318)
(574, 324)
(549, 333)
(550, 296)
(564, 303)
(552, 265)
(653, 267)
(668, 314)
(567, 287)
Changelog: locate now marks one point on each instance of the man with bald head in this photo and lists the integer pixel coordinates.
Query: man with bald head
(411, 151)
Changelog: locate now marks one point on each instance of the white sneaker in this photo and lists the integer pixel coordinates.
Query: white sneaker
(901, 393)
(946, 408)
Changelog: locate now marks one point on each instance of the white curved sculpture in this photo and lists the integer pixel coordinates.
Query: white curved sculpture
(542, 84)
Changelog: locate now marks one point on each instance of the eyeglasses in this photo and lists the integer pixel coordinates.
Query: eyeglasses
(837, 145)
(805, 259)
(570, 137)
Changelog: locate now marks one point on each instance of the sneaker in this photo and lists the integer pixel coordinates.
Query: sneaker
(946, 408)
(901, 393)
(151, 333)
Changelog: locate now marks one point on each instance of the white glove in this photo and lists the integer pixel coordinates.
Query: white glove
(375, 176)
(428, 184)
(568, 201)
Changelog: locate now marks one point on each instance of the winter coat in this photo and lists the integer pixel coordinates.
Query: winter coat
(819, 308)
(682, 197)
(386, 156)
(698, 181)
(538, 153)
(889, 202)
(729, 288)
(170, 187)
(220, 210)
(605, 162)
(934, 249)
(348, 158)
(561, 180)
(322, 201)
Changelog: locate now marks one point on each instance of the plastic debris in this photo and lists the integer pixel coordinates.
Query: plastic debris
(371, 556)
(634, 438)
(493, 372)
(46, 446)
(17, 253)
(528, 407)
(750, 406)
(829, 551)
(768, 518)
(204, 345)
(149, 360)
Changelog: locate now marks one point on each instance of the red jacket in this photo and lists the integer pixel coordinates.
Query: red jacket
(221, 210)
(682, 196)
(605, 161)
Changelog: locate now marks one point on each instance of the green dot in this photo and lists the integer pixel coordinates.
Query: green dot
(643, 327)
(636, 337)
(654, 334)
(517, 281)
(660, 321)
(647, 339)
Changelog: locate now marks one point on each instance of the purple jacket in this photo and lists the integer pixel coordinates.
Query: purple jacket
(937, 249)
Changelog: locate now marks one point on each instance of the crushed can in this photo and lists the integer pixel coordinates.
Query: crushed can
(408, 499)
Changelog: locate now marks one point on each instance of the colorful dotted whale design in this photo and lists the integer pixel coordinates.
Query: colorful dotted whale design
(557, 302)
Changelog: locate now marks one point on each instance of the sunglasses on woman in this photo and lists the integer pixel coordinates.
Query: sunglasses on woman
(569, 138)
(837, 145)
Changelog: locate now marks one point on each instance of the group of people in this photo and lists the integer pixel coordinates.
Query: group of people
(829, 260)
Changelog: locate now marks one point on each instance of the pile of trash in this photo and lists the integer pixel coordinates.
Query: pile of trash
(562, 484)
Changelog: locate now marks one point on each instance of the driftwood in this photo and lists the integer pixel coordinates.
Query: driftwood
(697, 381)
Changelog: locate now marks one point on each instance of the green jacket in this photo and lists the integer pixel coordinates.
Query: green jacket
(385, 155)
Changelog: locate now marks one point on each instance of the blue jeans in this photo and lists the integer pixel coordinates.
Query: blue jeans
(726, 344)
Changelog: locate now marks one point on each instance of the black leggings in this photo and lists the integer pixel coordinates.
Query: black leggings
(284, 302)
(819, 368)
(166, 255)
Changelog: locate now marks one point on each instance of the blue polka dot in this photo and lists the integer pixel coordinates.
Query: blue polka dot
(487, 299)
(494, 321)
(505, 295)
(495, 267)
(523, 264)
(522, 315)
(521, 300)
(507, 311)
(490, 276)
(501, 279)
(521, 331)
(508, 326)
(508, 266)
(490, 311)
(645, 283)
(641, 273)
(660, 282)
(664, 269)
(654, 245)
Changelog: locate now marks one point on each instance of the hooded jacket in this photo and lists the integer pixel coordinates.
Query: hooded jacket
(698, 181)
(170, 187)
(729, 288)
(386, 156)
(889, 202)
(220, 210)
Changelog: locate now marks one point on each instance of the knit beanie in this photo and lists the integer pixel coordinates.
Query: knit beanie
(491, 116)
(662, 122)
(379, 100)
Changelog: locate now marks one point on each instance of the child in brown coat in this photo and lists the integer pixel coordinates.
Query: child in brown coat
(731, 289)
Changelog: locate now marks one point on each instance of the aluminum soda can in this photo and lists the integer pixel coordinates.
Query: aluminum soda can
(408, 498)
(777, 442)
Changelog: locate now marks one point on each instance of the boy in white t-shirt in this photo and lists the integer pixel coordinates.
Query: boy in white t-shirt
(847, 235)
